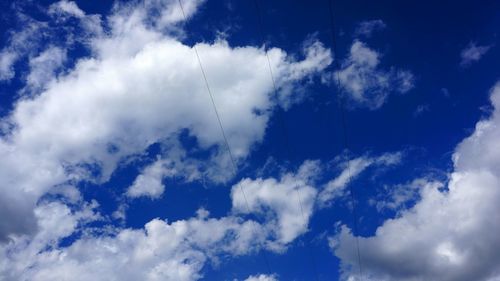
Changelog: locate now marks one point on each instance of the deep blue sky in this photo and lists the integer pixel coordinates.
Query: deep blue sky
(423, 37)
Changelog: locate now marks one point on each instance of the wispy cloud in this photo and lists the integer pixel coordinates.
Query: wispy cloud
(421, 109)
(262, 277)
(473, 53)
(352, 168)
(366, 83)
(367, 28)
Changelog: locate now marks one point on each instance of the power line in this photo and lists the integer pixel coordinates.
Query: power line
(285, 133)
(344, 128)
(233, 161)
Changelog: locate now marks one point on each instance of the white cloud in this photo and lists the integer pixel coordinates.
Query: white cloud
(365, 83)
(174, 251)
(472, 53)
(262, 277)
(367, 28)
(66, 7)
(289, 92)
(20, 44)
(397, 196)
(45, 42)
(7, 60)
(44, 66)
(451, 233)
(149, 182)
(351, 169)
(172, 163)
(91, 25)
(177, 250)
(170, 11)
(56, 221)
(288, 203)
(141, 86)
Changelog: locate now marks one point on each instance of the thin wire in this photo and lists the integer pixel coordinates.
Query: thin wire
(235, 169)
(344, 129)
(285, 133)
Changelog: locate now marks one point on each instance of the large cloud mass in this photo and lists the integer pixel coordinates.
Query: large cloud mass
(162, 250)
(451, 233)
(141, 86)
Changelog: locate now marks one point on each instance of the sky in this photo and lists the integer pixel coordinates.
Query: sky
(249, 140)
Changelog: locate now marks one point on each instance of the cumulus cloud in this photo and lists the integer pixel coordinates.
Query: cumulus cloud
(173, 163)
(174, 251)
(149, 182)
(366, 84)
(452, 232)
(140, 86)
(44, 66)
(472, 53)
(163, 250)
(335, 188)
(288, 202)
(367, 28)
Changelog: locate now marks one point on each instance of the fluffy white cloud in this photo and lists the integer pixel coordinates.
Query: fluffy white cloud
(44, 66)
(288, 202)
(170, 11)
(351, 169)
(140, 86)
(172, 163)
(161, 251)
(149, 182)
(367, 28)
(472, 53)
(174, 251)
(261, 277)
(366, 84)
(452, 232)
(66, 7)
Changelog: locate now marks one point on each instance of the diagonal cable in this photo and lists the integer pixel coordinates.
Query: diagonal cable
(285, 132)
(223, 133)
(340, 95)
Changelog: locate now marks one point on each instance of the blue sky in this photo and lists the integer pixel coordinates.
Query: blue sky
(380, 162)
